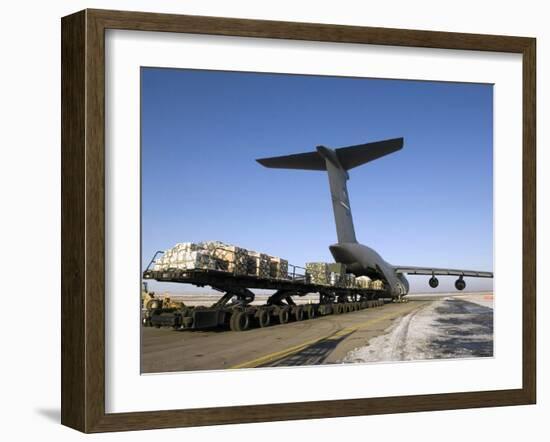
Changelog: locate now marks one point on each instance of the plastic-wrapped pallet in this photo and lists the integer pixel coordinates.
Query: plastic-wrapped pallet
(163, 262)
(339, 271)
(318, 272)
(195, 261)
(348, 281)
(227, 257)
(258, 264)
(170, 259)
(335, 279)
(377, 284)
(264, 266)
(251, 265)
(187, 247)
(278, 268)
(218, 250)
(216, 255)
(181, 258)
(158, 266)
(363, 282)
(238, 263)
(337, 267)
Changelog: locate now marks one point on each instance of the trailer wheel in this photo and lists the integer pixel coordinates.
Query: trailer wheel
(298, 313)
(283, 315)
(337, 309)
(240, 321)
(309, 311)
(264, 318)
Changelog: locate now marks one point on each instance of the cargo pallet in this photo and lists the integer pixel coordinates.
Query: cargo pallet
(235, 311)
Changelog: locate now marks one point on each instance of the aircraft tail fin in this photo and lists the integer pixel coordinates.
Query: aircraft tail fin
(337, 162)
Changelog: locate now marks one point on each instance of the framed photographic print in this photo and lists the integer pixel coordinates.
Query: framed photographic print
(270, 220)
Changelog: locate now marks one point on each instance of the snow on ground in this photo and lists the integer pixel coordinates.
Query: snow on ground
(446, 328)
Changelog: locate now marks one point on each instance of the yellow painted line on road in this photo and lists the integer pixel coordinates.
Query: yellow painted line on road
(279, 354)
(297, 348)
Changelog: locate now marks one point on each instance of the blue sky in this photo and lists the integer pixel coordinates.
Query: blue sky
(430, 204)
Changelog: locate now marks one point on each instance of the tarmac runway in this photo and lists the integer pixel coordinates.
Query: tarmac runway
(427, 327)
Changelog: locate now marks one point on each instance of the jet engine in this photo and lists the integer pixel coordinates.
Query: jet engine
(460, 284)
(434, 282)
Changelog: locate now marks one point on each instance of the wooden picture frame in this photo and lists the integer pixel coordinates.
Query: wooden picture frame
(83, 220)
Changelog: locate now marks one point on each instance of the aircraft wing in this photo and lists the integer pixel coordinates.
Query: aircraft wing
(411, 270)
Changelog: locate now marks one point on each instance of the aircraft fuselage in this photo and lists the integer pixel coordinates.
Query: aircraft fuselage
(364, 261)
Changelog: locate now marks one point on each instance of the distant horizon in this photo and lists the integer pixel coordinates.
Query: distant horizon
(207, 292)
(430, 204)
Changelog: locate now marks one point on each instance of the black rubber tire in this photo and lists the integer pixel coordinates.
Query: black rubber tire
(298, 313)
(240, 321)
(309, 311)
(231, 321)
(264, 318)
(337, 309)
(284, 315)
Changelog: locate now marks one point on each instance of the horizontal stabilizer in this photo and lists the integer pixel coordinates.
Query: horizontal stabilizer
(307, 161)
(348, 157)
(354, 156)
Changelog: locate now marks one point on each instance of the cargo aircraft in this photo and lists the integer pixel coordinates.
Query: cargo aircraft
(358, 258)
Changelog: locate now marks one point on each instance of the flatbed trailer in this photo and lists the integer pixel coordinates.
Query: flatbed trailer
(234, 309)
